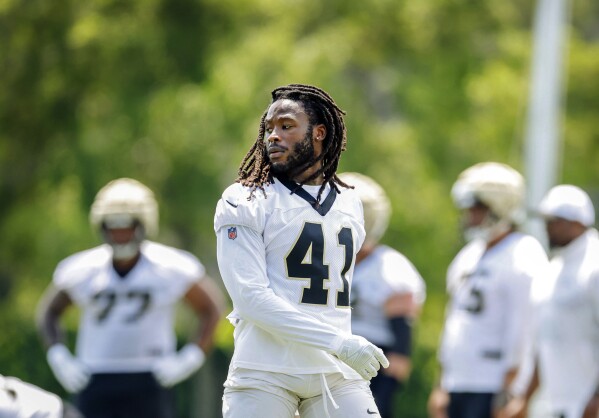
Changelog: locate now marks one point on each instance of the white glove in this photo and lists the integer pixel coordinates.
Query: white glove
(69, 371)
(178, 366)
(362, 356)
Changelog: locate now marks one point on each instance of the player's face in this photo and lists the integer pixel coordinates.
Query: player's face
(558, 232)
(121, 235)
(124, 240)
(475, 215)
(291, 141)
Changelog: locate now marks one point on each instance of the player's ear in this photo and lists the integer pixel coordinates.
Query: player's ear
(319, 132)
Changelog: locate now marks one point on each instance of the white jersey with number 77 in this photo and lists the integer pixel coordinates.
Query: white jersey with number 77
(127, 322)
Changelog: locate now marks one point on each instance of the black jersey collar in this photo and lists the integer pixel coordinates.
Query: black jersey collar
(323, 208)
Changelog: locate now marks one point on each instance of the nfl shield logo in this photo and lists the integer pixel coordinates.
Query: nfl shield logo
(232, 232)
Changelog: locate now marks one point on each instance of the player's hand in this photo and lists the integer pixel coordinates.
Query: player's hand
(592, 408)
(362, 356)
(516, 408)
(69, 371)
(178, 366)
(437, 404)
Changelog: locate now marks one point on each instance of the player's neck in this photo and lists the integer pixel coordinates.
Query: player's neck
(364, 252)
(493, 242)
(299, 178)
(123, 267)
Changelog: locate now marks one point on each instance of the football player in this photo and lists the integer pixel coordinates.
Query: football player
(488, 283)
(20, 399)
(127, 290)
(566, 310)
(387, 294)
(287, 234)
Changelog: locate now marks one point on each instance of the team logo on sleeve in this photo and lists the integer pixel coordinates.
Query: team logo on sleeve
(232, 232)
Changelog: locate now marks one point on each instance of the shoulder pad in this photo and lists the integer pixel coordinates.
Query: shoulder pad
(174, 258)
(234, 208)
(76, 267)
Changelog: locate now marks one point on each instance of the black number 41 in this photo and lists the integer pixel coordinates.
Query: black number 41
(306, 261)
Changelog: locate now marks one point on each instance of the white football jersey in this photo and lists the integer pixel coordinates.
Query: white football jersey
(567, 325)
(382, 274)
(23, 400)
(288, 270)
(127, 322)
(487, 316)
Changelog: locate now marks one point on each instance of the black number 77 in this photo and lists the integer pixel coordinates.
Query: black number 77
(110, 298)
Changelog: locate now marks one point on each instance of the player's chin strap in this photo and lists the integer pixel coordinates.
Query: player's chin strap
(326, 392)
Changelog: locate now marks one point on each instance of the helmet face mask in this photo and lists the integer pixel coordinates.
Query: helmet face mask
(487, 227)
(500, 189)
(119, 221)
(124, 238)
(124, 211)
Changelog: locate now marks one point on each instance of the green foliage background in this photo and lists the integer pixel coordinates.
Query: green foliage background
(170, 92)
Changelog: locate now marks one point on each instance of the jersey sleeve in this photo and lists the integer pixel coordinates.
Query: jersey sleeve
(242, 264)
(531, 265)
(185, 269)
(406, 278)
(193, 272)
(71, 274)
(63, 279)
(593, 281)
(234, 208)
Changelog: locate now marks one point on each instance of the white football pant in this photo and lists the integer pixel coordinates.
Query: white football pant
(259, 394)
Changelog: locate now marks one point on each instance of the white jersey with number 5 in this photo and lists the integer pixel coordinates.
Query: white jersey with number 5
(287, 266)
(487, 317)
(127, 322)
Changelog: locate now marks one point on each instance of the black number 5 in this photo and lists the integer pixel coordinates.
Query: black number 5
(477, 301)
(306, 261)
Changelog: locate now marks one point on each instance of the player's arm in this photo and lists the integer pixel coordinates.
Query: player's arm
(592, 407)
(69, 371)
(521, 380)
(516, 404)
(242, 264)
(241, 256)
(517, 328)
(401, 311)
(206, 300)
(53, 305)
(437, 403)
(518, 323)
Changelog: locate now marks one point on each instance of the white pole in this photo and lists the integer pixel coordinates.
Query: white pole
(543, 125)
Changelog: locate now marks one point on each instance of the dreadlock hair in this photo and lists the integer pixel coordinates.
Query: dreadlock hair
(254, 171)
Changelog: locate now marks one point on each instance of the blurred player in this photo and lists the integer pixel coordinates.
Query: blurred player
(127, 290)
(287, 238)
(566, 314)
(387, 294)
(19, 399)
(488, 283)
